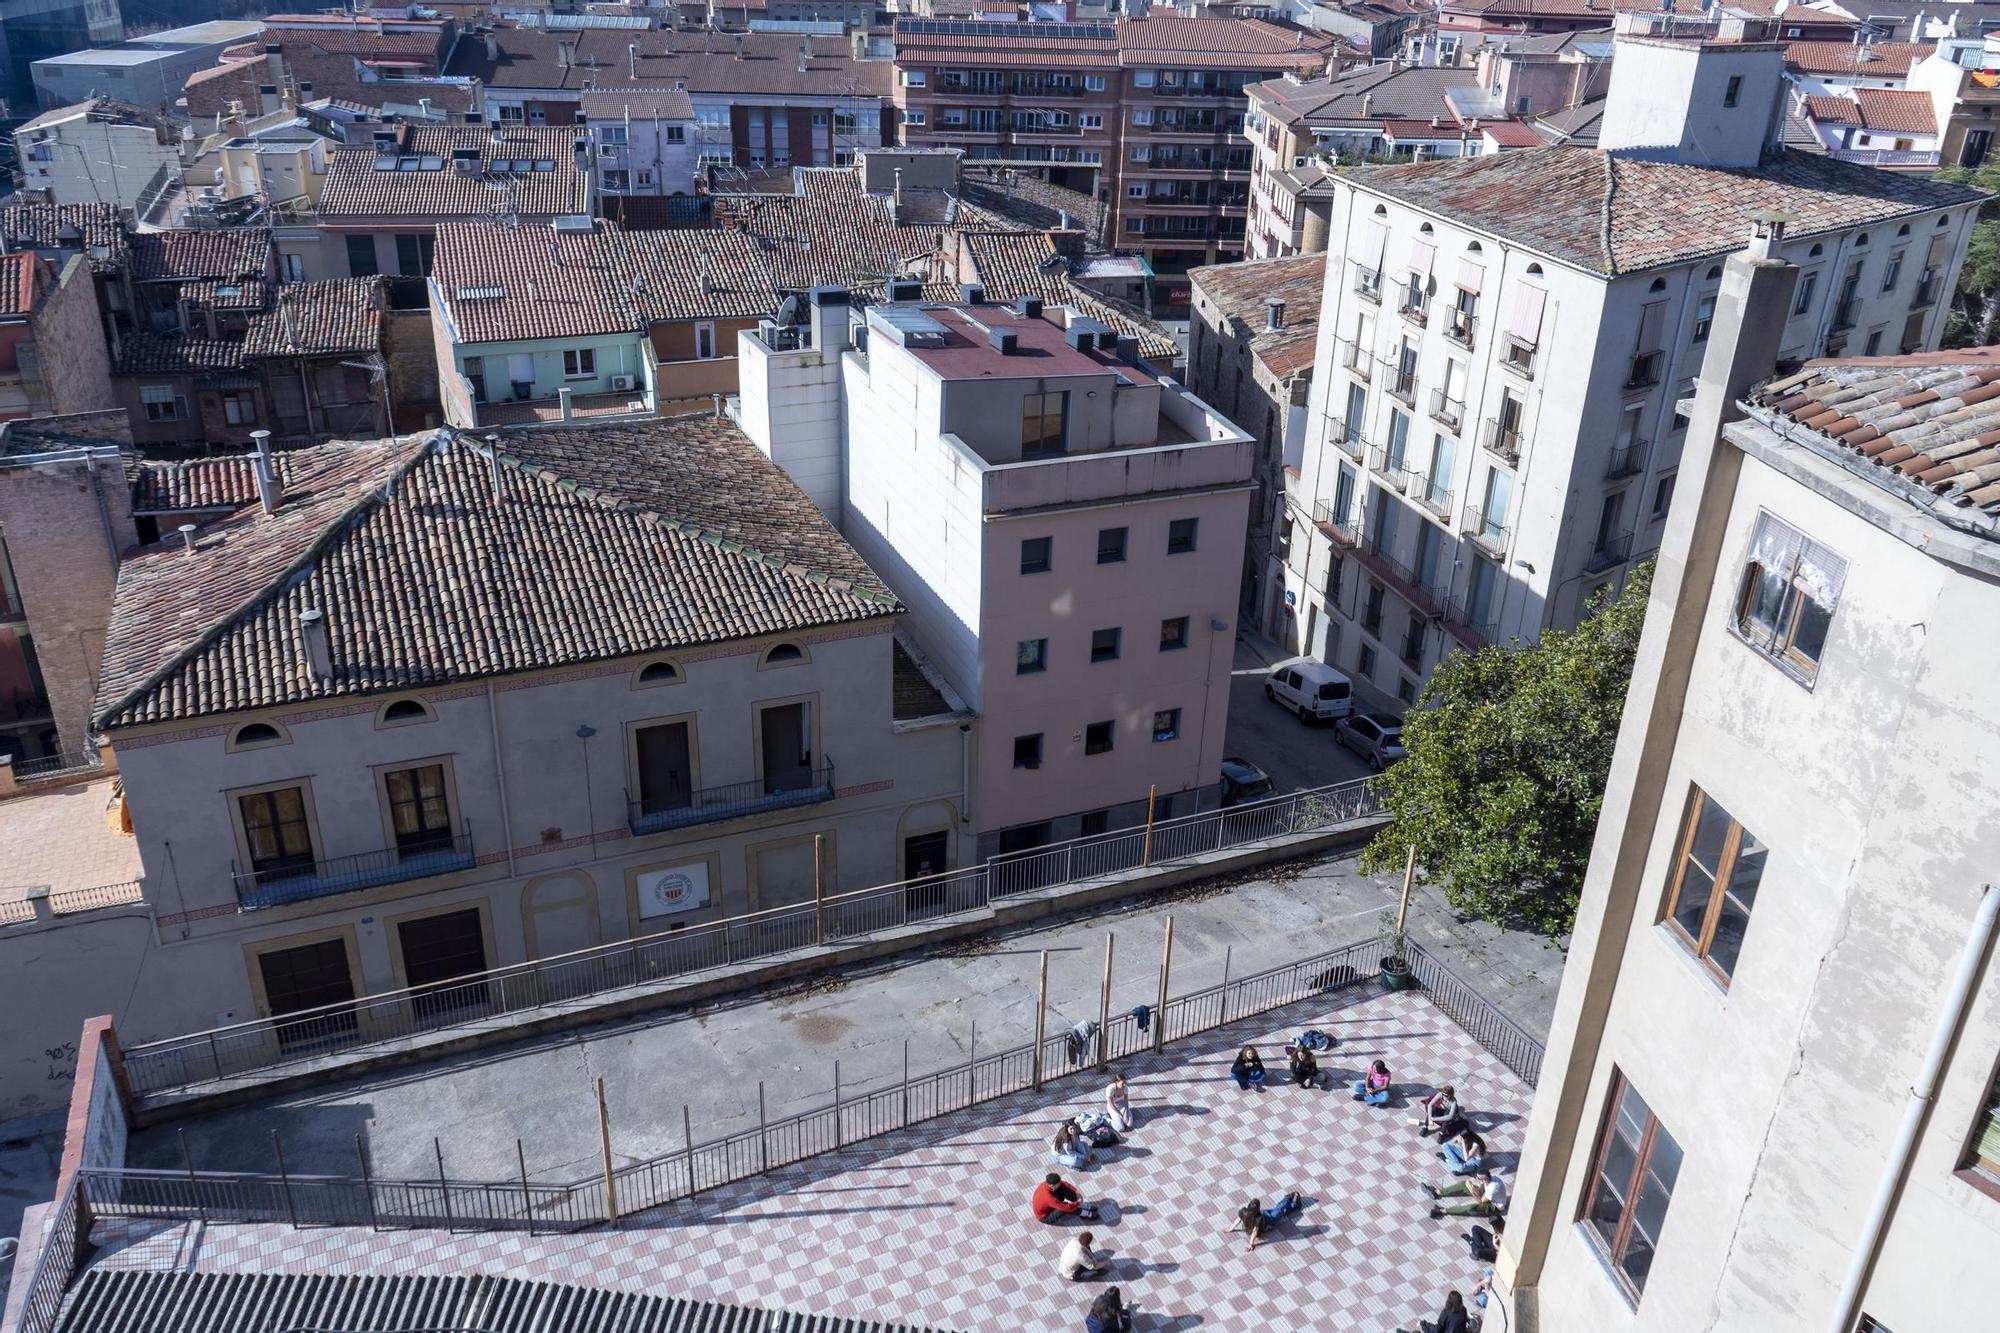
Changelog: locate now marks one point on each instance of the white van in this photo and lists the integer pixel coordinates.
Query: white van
(1313, 690)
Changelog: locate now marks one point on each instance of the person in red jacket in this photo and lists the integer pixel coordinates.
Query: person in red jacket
(1056, 1199)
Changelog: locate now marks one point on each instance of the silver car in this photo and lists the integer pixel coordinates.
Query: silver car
(1375, 738)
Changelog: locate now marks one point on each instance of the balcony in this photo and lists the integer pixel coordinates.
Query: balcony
(1356, 358)
(302, 881)
(1888, 158)
(1490, 537)
(1927, 291)
(1411, 649)
(1447, 411)
(1339, 531)
(1423, 596)
(1435, 496)
(1389, 466)
(706, 805)
(1482, 626)
(1368, 283)
(1608, 552)
(1463, 329)
(1403, 382)
(1628, 460)
(1345, 437)
(1645, 371)
(1518, 357)
(1415, 309)
(1504, 440)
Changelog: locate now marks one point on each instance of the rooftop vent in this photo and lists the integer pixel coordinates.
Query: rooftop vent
(1274, 313)
(1003, 340)
(905, 289)
(1028, 307)
(971, 293)
(1107, 340)
(312, 636)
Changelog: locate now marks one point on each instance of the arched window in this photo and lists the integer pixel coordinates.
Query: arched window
(1903, 230)
(1944, 220)
(1815, 252)
(1659, 285)
(783, 654)
(398, 712)
(1715, 272)
(252, 735)
(658, 673)
(1534, 270)
(1475, 249)
(1861, 241)
(1427, 230)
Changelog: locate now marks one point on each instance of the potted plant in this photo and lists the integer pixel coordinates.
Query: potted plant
(1395, 965)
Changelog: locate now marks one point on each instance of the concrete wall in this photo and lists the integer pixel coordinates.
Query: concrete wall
(504, 362)
(556, 862)
(70, 349)
(790, 406)
(59, 975)
(91, 161)
(1669, 99)
(410, 347)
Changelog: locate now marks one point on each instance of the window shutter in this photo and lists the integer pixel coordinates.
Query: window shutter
(1374, 237)
(1652, 327)
(1935, 259)
(1524, 321)
(1422, 255)
(1470, 275)
(1913, 333)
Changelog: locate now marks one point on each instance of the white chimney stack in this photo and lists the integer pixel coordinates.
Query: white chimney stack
(187, 535)
(319, 652)
(270, 492)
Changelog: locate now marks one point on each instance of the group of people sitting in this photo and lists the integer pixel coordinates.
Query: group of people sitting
(1439, 1115)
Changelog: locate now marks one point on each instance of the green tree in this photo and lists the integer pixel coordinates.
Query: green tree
(1975, 307)
(1507, 764)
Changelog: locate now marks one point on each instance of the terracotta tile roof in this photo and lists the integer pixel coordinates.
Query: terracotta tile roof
(1388, 90)
(17, 285)
(701, 62)
(339, 316)
(1239, 292)
(1025, 263)
(228, 293)
(833, 231)
(1220, 43)
(506, 283)
(38, 225)
(155, 354)
(229, 482)
(1929, 421)
(643, 103)
(360, 41)
(1510, 133)
(611, 541)
(201, 252)
(1615, 215)
(1882, 110)
(70, 430)
(1023, 199)
(1887, 60)
(355, 189)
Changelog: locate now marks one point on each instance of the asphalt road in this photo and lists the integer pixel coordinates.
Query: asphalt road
(1294, 754)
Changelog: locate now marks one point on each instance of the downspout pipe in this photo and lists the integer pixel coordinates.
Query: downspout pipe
(500, 776)
(1847, 1308)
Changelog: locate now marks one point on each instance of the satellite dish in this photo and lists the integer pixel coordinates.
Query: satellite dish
(788, 311)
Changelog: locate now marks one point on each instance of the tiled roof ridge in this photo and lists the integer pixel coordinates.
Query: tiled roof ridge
(272, 588)
(669, 522)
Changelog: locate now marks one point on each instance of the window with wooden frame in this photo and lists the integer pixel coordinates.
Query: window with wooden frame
(1791, 587)
(1982, 1155)
(1717, 866)
(1631, 1183)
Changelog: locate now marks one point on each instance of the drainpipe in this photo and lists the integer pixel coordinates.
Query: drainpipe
(500, 777)
(1957, 998)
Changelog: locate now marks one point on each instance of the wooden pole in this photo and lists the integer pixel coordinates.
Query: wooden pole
(687, 1138)
(1227, 950)
(1160, 1010)
(194, 1186)
(285, 1179)
(527, 1199)
(1041, 1015)
(604, 1142)
(444, 1186)
(367, 1185)
(1104, 1007)
(763, 1139)
(819, 889)
(1152, 796)
(1409, 880)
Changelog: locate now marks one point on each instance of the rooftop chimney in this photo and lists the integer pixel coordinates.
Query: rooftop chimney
(1003, 340)
(312, 635)
(1028, 307)
(492, 47)
(187, 535)
(1367, 103)
(632, 55)
(1274, 313)
(739, 46)
(971, 293)
(270, 491)
(717, 399)
(1062, 219)
(1767, 229)
(805, 53)
(493, 468)
(566, 53)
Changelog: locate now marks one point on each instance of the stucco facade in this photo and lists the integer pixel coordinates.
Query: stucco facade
(1781, 1080)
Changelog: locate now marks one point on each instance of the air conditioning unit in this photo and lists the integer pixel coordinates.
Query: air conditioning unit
(621, 384)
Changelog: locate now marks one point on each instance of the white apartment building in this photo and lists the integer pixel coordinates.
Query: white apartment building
(98, 152)
(1769, 1101)
(644, 141)
(1064, 525)
(1504, 342)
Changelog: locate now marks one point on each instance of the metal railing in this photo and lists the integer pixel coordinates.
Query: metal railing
(1645, 371)
(1626, 460)
(708, 804)
(1346, 436)
(1368, 283)
(696, 1167)
(1357, 359)
(1415, 308)
(1447, 411)
(1340, 531)
(1608, 552)
(62, 764)
(1518, 357)
(1435, 497)
(273, 886)
(309, 1034)
(1503, 440)
(1484, 533)
(41, 1303)
(1484, 624)
(1462, 328)
(1390, 466)
(1403, 381)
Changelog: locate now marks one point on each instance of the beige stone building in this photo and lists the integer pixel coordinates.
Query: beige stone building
(1769, 1101)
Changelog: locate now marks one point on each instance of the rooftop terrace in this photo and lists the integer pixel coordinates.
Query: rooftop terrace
(58, 841)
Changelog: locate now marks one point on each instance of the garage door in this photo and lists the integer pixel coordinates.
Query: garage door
(438, 949)
(308, 977)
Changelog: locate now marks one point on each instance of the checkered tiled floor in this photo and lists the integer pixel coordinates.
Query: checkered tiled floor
(932, 1226)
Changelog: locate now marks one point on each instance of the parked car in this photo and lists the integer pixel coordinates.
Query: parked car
(1313, 690)
(1375, 738)
(1243, 782)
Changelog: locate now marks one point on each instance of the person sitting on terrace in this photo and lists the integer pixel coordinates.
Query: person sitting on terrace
(1373, 1087)
(1072, 1149)
(1464, 1154)
(1248, 1069)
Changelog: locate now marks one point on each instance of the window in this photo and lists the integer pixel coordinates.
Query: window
(1874, 343)
(1136, 190)
(579, 363)
(162, 403)
(254, 734)
(1097, 738)
(1037, 554)
(239, 409)
(1807, 283)
(1631, 1184)
(611, 135)
(275, 830)
(1166, 724)
(1173, 634)
(1733, 91)
(617, 180)
(783, 654)
(1791, 586)
(1892, 272)
(361, 261)
(1093, 83)
(1104, 644)
(292, 268)
(404, 710)
(1180, 536)
(1028, 751)
(1704, 318)
(1714, 884)
(1110, 546)
(915, 118)
(1663, 497)
(1090, 120)
(1030, 656)
(1983, 1156)
(1366, 662)
(704, 340)
(418, 810)
(658, 673)
(1043, 418)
